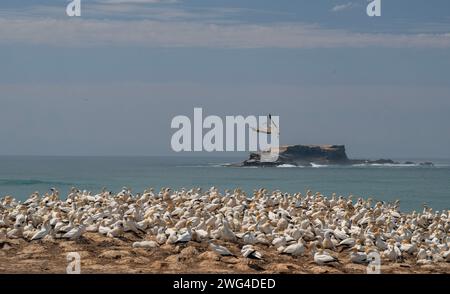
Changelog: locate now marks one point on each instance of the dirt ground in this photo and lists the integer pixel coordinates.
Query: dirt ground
(104, 255)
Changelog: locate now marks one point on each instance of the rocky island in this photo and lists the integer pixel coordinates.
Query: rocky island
(308, 155)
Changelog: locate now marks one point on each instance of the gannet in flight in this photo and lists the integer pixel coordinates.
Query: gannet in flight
(270, 127)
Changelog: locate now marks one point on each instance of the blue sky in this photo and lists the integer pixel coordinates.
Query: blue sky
(109, 82)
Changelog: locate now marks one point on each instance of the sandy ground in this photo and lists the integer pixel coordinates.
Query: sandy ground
(104, 255)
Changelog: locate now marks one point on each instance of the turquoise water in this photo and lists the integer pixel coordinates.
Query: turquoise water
(413, 185)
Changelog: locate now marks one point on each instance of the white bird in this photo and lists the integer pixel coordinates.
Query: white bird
(322, 257)
(408, 247)
(422, 256)
(358, 257)
(172, 239)
(446, 255)
(346, 243)
(199, 235)
(145, 244)
(327, 242)
(161, 237)
(116, 231)
(279, 242)
(227, 233)
(130, 225)
(248, 238)
(221, 250)
(381, 245)
(16, 232)
(187, 235)
(393, 253)
(250, 252)
(103, 230)
(75, 233)
(296, 249)
(44, 231)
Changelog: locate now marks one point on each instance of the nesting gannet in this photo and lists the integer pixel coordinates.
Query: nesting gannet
(422, 256)
(227, 233)
(45, 229)
(75, 233)
(322, 257)
(16, 232)
(200, 235)
(221, 250)
(250, 252)
(116, 231)
(161, 237)
(172, 238)
(296, 249)
(327, 242)
(187, 235)
(103, 229)
(279, 242)
(408, 247)
(446, 255)
(358, 257)
(381, 245)
(347, 243)
(130, 225)
(145, 244)
(392, 253)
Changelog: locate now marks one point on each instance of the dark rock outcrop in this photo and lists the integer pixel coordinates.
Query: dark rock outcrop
(307, 155)
(303, 155)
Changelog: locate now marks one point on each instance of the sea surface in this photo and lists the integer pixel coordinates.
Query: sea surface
(412, 185)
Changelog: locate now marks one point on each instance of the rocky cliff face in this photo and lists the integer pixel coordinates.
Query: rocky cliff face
(307, 155)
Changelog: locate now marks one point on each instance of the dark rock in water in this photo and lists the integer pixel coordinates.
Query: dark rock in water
(378, 161)
(306, 155)
(409, 162)
(427, 163)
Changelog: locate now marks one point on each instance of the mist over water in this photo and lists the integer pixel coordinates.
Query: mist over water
(413, 185)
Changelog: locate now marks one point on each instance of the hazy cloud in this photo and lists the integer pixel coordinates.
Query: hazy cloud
(90, 32)
(342, 7)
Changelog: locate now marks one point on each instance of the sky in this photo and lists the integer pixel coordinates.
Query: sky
(110, 81)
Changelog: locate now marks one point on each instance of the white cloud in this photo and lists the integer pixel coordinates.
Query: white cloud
(342, 7)
(89, 32)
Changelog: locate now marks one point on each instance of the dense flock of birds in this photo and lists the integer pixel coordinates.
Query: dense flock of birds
(289, 223)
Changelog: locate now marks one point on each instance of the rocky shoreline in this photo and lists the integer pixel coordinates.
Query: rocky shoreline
(100, 254)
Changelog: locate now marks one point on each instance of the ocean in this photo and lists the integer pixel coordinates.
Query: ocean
(412, 185)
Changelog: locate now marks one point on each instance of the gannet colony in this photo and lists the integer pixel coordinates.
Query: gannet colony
(209, 231)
